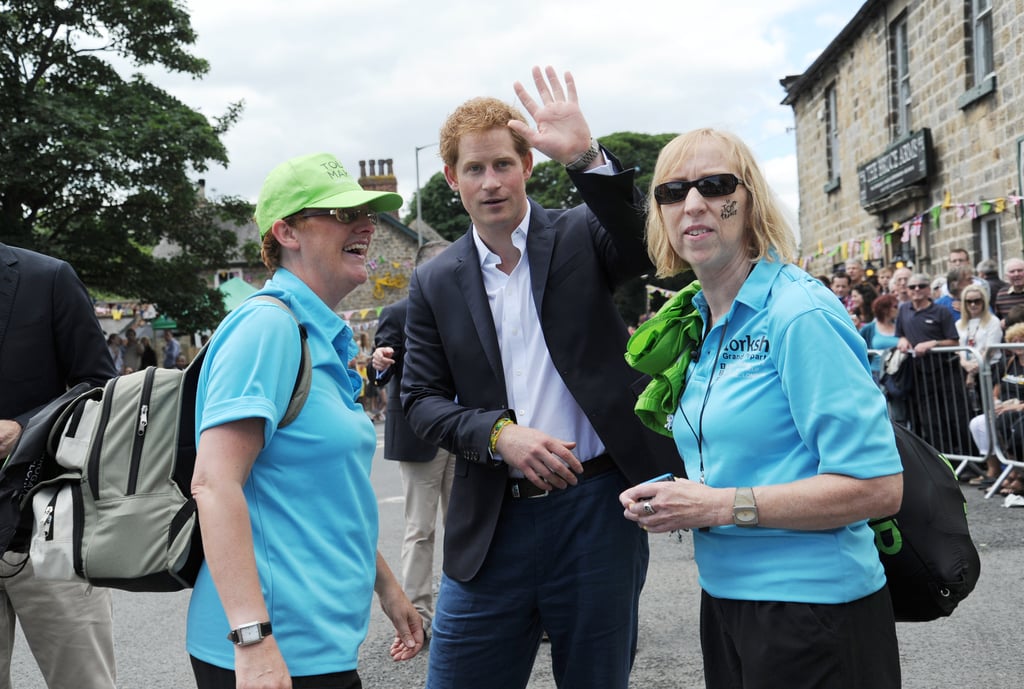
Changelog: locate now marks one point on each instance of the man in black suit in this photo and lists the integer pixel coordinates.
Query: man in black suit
(515, 363)
(50, 340)
(427, 470)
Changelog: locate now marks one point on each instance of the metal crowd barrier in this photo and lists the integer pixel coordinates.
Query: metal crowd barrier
(944, 400)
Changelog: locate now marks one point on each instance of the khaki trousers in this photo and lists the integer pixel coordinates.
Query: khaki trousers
(68, 627)
(428, 485)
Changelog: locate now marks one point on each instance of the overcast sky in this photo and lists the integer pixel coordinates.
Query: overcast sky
(375, 79)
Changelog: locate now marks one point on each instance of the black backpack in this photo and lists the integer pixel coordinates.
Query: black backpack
(931, 563)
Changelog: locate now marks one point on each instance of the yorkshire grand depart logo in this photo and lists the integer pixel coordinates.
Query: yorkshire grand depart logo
(746, 349)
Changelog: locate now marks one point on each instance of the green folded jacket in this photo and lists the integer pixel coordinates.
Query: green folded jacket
(661, 347)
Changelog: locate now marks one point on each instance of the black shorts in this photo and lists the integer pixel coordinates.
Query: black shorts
(214, 677)
(768, 644)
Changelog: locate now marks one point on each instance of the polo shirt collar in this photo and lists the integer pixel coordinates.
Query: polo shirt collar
(309, 308)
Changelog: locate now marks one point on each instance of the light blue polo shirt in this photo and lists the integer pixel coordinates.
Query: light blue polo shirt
(792, 397)
(311, 504)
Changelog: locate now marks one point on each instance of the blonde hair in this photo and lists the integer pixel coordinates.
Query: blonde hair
(986, 315)
(479, 115)
(1015, 333)
(766, 226)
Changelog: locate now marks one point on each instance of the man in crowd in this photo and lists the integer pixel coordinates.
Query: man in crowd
(957, 279)
(988, 270)
(171, 349)
(855, 269)
(938, 405)
(898, 284)
(1013, 294)
(427, 470)
(131, 352)
(50, 340)
(515, 362)
(841, 288)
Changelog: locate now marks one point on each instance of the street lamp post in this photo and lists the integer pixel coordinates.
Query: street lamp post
(419, 202)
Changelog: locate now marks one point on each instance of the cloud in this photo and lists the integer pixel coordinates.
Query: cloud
(376, 80)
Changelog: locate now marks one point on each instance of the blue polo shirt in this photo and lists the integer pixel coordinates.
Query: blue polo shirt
(311, 504)
(791, 397)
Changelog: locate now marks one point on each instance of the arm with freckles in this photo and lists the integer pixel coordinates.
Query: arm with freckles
(406, 620)
(223, 460)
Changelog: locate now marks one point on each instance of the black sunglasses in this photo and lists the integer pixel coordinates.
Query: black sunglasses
(675, 191)
(923, 285)
(974, 301)
(343, 215)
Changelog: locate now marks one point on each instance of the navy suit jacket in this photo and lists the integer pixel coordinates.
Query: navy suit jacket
(400, 443)
(50, 339)
(453, 386)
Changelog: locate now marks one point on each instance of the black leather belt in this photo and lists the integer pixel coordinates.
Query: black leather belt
(522, 488)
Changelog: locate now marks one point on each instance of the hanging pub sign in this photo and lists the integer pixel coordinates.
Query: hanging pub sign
(905, 163)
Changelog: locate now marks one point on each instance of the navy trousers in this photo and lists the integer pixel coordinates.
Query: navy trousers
(568, 564)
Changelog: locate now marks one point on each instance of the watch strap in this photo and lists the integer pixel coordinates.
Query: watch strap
(744, 508)
(585, 159)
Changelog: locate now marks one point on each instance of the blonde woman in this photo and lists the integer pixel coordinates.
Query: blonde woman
(791, 584)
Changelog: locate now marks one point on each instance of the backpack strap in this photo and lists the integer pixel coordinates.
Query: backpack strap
(303, 380)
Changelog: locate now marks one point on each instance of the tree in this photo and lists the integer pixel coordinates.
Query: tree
(551, 187)
(550, 184)
(442, 208)
(95, 167)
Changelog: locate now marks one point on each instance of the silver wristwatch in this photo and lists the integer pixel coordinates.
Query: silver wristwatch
(744, 508)
(249, 633)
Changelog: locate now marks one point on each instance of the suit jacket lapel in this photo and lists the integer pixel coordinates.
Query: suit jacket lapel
(470, 282)
(540, 241)
(8, 287)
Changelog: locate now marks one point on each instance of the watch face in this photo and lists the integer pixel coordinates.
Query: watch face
(745, 515)
(249, 634)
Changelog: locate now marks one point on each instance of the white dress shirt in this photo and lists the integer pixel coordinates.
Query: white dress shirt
(535, 390)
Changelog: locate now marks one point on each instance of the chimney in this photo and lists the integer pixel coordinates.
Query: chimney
(381, 177)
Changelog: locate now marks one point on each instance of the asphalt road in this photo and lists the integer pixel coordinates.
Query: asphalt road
(979, 646)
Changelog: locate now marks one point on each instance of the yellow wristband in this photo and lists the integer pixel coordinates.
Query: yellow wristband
(499, 426)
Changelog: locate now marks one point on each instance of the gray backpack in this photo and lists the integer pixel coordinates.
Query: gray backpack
(114, 506)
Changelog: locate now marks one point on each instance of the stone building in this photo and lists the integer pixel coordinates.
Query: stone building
(909, 131)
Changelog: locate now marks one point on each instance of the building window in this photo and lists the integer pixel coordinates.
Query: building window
(831, 138)
(981, 77)
(980, 40)
(900, 77)
(986, 239)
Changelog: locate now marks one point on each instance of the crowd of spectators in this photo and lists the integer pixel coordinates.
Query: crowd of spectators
(971, 308)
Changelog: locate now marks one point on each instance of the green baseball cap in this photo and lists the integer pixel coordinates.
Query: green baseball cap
(314, 181)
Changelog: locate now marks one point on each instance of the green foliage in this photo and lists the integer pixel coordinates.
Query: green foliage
(95, 167)
(442, 208)
(550, 184)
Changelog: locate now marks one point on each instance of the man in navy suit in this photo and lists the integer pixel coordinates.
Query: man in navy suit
(50, 341)
(427, 470)
(514, 362)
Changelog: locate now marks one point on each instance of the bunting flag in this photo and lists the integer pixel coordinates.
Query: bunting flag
(912, 227)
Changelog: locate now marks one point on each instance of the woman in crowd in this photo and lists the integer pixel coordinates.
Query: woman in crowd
(1008, 393)
(793, 592)
(148, 353)
(288, 514)
(978, 327)
(880, 333)
(861, 298)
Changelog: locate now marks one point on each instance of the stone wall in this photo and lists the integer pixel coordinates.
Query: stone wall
(975, 143)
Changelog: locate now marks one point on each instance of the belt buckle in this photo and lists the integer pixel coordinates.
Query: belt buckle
(516, 493)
